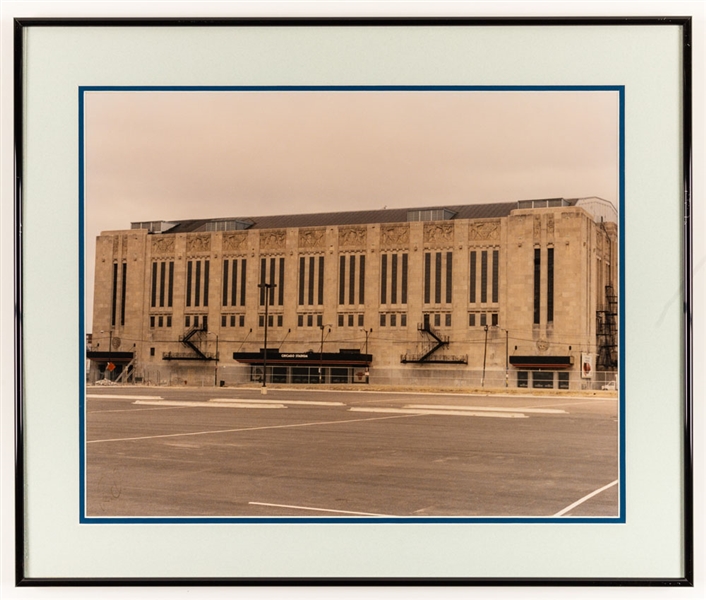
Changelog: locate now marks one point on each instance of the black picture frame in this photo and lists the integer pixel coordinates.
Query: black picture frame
(22, 25)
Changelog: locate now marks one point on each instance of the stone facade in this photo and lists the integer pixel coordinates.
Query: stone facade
(528, 284)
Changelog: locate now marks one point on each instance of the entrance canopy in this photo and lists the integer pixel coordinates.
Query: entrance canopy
(309, 358)
(542, 362)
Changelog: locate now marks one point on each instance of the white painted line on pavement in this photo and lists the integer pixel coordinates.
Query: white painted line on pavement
(343, 512)
(588, 497)
(492, 408)
(460, 413)
(309, 402)
(122, 397)
(290, 426)
(234, 404)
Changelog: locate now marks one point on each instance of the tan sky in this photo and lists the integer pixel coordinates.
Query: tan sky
(179, 155)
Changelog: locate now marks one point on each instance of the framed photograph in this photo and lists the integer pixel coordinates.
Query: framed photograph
(353, 300)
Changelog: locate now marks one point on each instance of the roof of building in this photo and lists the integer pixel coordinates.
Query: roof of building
(358, 217)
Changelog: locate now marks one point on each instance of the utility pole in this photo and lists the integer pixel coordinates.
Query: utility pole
(321, 352)
(267, 287)
(367, 366)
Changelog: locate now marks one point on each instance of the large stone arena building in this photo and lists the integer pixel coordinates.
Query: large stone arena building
(518, 294)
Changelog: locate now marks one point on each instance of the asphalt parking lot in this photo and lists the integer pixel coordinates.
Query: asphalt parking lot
(184, 452)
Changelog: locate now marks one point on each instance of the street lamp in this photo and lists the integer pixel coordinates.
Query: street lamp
(267, 287)
(485, 354)
(507, 366)
(321, 351)
(367, 366)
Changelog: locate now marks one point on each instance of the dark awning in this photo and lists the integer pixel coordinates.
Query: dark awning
(542, 362)
(114, 357)
(275, 357)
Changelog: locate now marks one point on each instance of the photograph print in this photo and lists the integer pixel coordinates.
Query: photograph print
(352, 304)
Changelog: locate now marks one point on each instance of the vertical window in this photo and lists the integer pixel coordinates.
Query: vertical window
(393, 320)
(232, 320)
(382, 319)
(496, 269)
(151, 351)
(361, 286)
(162, 281)
(550, 285)
(280, 299)
(483, 320)
(263, 280)
(484, 276)
(197, 284)
(472, 276)
(447, 319)
(404, 279)
(437, 278)
(537, 264)
(243, 279)
(189, 271)
(261, 320)
(449, 276)
(437, 320)
(123, 294)
(223, 320)
(340, 320)
(206, 264)
(300, 320)
(170, 293)
(196, 320)
(342, 280)
(403, 319)
(494, 319)
(361, 320)
(319, 320)
(321, 280)
(151, 323)
(234, 284)
(161, 321)
(273, 266)
(153, 303)
(393, 290)
(472, 320)
(279, 320)
(350, 320)
(242, 320)
(187, 321)
(427, 277)
(115, 293)
(169, 321)
(383, 279)
(225, 284)
(311, 279)
(351, 282)
(309, 320)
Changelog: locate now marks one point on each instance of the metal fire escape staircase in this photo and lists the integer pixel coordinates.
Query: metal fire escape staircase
(196, 352)
(607, 331)
(433, 342)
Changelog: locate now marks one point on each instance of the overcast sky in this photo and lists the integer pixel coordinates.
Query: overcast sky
(181, 155)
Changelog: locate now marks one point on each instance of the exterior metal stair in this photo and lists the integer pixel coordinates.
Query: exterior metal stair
(433, 343)
(196, 354)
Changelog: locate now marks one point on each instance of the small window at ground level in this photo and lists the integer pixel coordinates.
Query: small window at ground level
(472, 320)
(383, 320)
(232, 320)
(187, 321)
(448, 319)
(242, 320)
(494, 319)
(223, 320)
(403, 320)
(483, 320)
(340, 320)
(300, 320)
(350, 320)
(437, 320)
(393, 320)
(152, 322)
(279, 321)
(361, 320)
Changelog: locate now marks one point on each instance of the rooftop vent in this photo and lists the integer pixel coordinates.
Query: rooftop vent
(226, 225)
(153, 226)
(544, 203)
(430, 214)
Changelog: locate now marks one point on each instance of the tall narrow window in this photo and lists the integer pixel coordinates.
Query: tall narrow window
(302, 274)
(351, 282)
(550, 285)
(162, 279)
(393, 287)
(280, 299)
(170, 293)
(197, 284)
(472, 276)
(449, 276)
(123, 293)
(115, 294)
(273, 263)
(311, 279)
(383, 279)
(189, 271)
(342, 280)
(206, 264)
(537, 264)
(321, 280)
(263, 280)
(225, 283)
(427, 277)
(496, 268)
(484, 276)
(153, 303)
(437, 279)
(361, 287)
(243, 279)
(404, 278)
(234, 284)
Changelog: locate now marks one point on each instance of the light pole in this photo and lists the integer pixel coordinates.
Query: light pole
(321, 351)
(367, 366)
(507, 354)
(215, 372)
(485, 354)
(267, 287)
